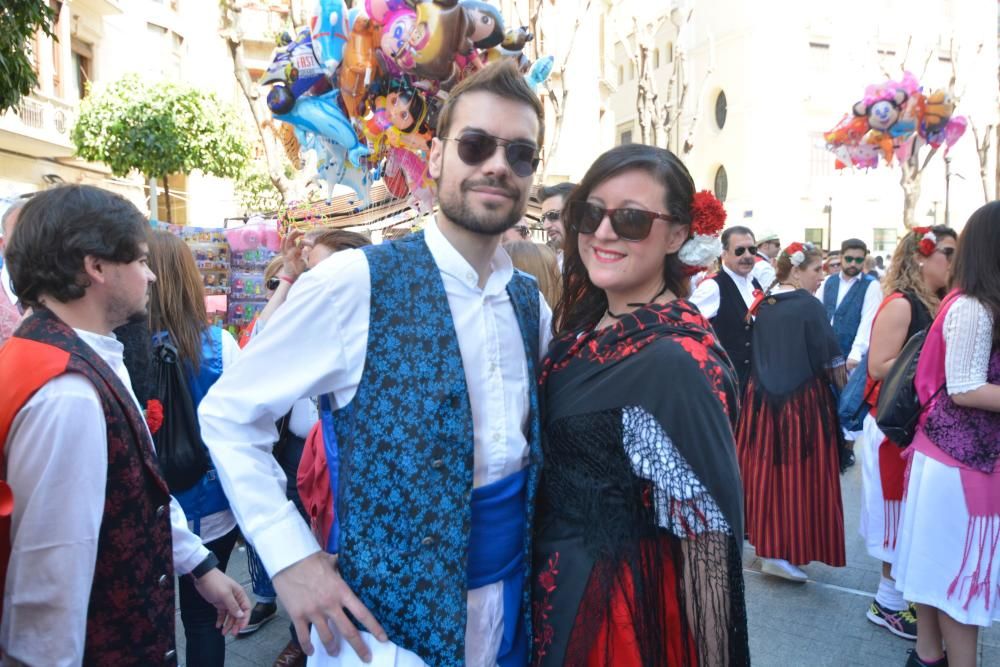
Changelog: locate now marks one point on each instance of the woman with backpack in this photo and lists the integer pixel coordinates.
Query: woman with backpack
(948, 559)
(915, 283)
(178, 320)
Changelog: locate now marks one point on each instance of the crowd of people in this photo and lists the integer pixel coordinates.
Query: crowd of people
(464, 448)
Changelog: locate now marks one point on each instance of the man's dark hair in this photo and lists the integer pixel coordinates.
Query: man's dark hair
(726, 235)
(853, 244)
(557, 190)
(503, 80)
(58, 228)
(832, 254)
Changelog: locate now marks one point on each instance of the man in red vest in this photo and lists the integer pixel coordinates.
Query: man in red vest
(90, 538)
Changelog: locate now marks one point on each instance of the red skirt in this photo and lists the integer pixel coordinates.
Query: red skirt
(789, 460)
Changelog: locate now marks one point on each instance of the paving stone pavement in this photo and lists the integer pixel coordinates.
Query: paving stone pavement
(816, 624)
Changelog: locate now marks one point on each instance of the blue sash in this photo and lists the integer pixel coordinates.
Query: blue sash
(496, 553)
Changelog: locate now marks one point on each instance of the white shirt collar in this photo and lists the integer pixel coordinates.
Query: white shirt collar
(451, 262)
(848, 281)
(740, 280)
(108, 348)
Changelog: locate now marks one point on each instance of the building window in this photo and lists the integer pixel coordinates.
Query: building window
(83, 63)
(621, 74)
(721, 109)
(669, 52)
(656, 58)
(814, 235)
(631, 70)
(625, 138)
(885, 240)
(721, 183)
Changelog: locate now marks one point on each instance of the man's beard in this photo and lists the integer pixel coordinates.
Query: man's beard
(461, 213)
(851, 271)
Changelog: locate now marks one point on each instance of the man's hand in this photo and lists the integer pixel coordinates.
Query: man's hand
(313, 592)
(228, 597)
(852, 364)
(291, 254)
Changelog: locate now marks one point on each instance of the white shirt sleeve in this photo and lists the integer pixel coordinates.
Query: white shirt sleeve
(873, 298)
(188, 549)
(230, 350)
(56, 521)
(968, 337)
(544, 326)
(764, 273)
(707, 298)
(314, 344)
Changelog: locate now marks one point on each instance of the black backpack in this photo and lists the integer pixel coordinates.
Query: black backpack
(899, 406)
(182, 455)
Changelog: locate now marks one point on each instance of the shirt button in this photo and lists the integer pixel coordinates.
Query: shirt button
(163, 581)
(427, 541)
(746, 362)
(748, 343)
(160, 511)
(470, 276)
(437, 464)
(170, 656)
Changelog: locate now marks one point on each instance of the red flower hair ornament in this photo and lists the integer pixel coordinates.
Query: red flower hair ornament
(928, 240)
(707, 219)
(796, 252)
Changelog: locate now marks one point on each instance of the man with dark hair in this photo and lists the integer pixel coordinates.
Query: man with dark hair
(832, 263)
(725, 297)
(851, 298)
(91, 540)
(428, 350)
(552, 198)
(10, 313)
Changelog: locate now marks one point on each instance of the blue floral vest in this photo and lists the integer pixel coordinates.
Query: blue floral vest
(405, 455)
(847, 318)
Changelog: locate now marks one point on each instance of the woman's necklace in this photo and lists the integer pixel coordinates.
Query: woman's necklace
(637, 305)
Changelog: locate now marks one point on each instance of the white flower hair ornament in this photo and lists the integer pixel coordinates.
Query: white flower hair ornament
(707, 219)
(796, 253)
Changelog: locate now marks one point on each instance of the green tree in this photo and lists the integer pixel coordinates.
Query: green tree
(160, 129)
(19, 21)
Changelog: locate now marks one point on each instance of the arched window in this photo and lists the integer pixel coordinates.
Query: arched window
(721, 109)
(721, 183)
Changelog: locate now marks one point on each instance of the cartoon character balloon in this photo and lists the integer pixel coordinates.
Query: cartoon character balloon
(446, 29)
(293, 71)
(328, 27)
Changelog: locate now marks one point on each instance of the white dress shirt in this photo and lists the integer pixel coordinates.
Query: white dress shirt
(873, 298)
(764, 272)
(707, 296)
(5, 281)
(315, 344)
(59, 433)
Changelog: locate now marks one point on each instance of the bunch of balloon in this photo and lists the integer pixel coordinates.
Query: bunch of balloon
(894, 120)
(363, 86)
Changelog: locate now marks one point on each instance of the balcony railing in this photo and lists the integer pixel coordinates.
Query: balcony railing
(41, 118)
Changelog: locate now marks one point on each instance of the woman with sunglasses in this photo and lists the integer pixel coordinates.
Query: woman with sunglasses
(789, 438)
(948, 562)
(637, 553)
(915, 285)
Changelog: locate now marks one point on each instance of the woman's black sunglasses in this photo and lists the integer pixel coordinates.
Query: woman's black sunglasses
(476, 147)
(630, 224)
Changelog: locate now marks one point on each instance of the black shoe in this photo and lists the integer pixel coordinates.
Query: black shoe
(846, 459)
(261, 614)
(915, 661)
(902, 623)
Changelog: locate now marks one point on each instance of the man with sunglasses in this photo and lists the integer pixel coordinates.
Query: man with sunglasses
(552, 198)
(428, 349)
(725, 298)
(851, 298)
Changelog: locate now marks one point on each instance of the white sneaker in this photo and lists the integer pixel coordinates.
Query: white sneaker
(777, 567)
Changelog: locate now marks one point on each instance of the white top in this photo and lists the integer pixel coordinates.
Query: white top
(5, 281)
(219, 524)
(315, 344)
(707, 296)
(56, 522)
(968, 336)
(873, 298)
(764, 272)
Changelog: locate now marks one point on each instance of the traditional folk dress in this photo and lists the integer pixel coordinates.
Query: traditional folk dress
(950, 530)
(882, 464)
(637, 553)
(788, 438)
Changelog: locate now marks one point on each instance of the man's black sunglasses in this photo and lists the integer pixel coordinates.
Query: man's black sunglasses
(475, 147)
(742, 249)
(629, 224)
(552, 215)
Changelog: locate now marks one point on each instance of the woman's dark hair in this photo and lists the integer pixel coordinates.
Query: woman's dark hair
(177, 298)
(976, 269)
(340, 239)
(582, 303)
(58, 228)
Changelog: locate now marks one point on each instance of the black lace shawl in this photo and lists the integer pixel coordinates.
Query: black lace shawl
(664, 362)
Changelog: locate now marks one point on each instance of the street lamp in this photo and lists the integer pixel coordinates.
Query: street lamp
(828, 209)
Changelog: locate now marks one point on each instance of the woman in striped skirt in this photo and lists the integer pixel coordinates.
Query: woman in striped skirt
(788, 438)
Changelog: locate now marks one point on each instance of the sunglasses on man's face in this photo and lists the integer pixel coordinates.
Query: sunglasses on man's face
(551, 216)
(475, 147)
(855, 260)
(629, 224)
(745, 248)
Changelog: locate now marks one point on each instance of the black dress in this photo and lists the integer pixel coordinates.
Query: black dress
(639, 520)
